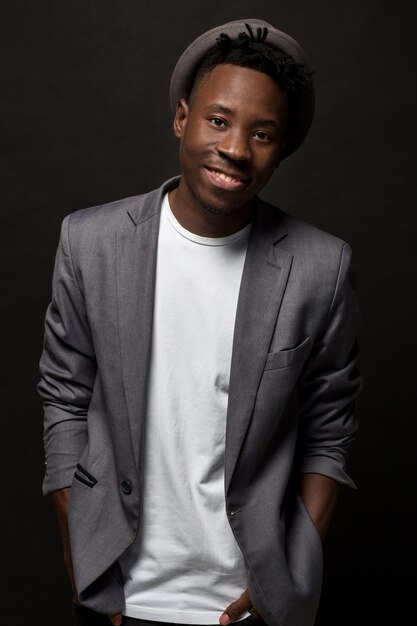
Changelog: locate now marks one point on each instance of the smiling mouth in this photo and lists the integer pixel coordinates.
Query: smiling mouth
(225, 181)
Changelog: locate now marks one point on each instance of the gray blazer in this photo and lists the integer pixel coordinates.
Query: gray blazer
(293, 382)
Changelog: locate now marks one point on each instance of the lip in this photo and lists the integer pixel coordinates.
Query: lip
(233, 182)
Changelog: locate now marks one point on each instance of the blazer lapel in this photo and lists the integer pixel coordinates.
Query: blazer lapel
(136, 250)
(264, 279)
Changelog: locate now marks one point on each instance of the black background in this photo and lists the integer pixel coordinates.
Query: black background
(85, 119)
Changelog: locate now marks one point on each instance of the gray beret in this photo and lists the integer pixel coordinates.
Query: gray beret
(184, 72)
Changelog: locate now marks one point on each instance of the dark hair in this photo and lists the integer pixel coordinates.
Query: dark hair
(256, 53)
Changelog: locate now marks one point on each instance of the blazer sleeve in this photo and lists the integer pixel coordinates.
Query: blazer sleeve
(68, 369)
(329, 384)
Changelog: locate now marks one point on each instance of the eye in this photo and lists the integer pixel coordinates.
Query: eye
(262, 136)
(217, 121)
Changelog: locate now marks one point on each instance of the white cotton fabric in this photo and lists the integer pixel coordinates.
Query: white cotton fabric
(185, 565)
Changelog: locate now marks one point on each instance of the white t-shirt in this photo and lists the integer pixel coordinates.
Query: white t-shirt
(185, 565)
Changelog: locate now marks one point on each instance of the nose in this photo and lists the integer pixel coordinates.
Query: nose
(235, 146)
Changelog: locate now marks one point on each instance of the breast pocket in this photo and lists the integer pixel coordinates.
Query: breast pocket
(287, 357)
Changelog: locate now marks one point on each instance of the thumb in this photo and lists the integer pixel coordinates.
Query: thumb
(236, 609)
(116, 619)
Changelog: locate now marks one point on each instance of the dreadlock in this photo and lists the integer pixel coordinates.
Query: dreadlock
(253, 51)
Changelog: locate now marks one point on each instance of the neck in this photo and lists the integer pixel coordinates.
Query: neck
(200, 221)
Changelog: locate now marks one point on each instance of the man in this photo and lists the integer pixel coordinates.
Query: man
(199, 365)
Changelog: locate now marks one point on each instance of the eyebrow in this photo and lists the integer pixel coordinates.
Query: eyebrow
(220, 108)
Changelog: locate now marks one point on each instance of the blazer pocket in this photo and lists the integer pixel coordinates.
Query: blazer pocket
(287, 357)
(84, 477)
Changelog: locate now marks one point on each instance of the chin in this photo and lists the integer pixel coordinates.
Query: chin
(215, 206)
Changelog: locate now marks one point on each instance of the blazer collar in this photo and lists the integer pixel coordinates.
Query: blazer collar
(150, 204)
(267, 220)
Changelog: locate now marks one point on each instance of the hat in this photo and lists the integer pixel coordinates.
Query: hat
(187, 65)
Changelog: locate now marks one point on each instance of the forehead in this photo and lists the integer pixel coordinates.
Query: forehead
(240, 89)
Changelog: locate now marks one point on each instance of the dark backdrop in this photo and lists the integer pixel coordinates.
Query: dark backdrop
(85, 119)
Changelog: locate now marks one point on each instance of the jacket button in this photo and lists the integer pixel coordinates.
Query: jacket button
(126, 487)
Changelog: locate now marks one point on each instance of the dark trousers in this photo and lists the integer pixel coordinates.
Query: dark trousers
(82, 616)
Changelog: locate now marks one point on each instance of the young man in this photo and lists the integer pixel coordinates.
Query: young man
(199, 365)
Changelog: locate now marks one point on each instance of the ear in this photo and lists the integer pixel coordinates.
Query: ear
(181, 116)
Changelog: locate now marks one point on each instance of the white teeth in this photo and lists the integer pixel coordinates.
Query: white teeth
(227, 179)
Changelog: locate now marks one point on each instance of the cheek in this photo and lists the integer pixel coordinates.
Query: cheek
(267, 166)
(272, 160)
(197, 139)
(188, 148)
